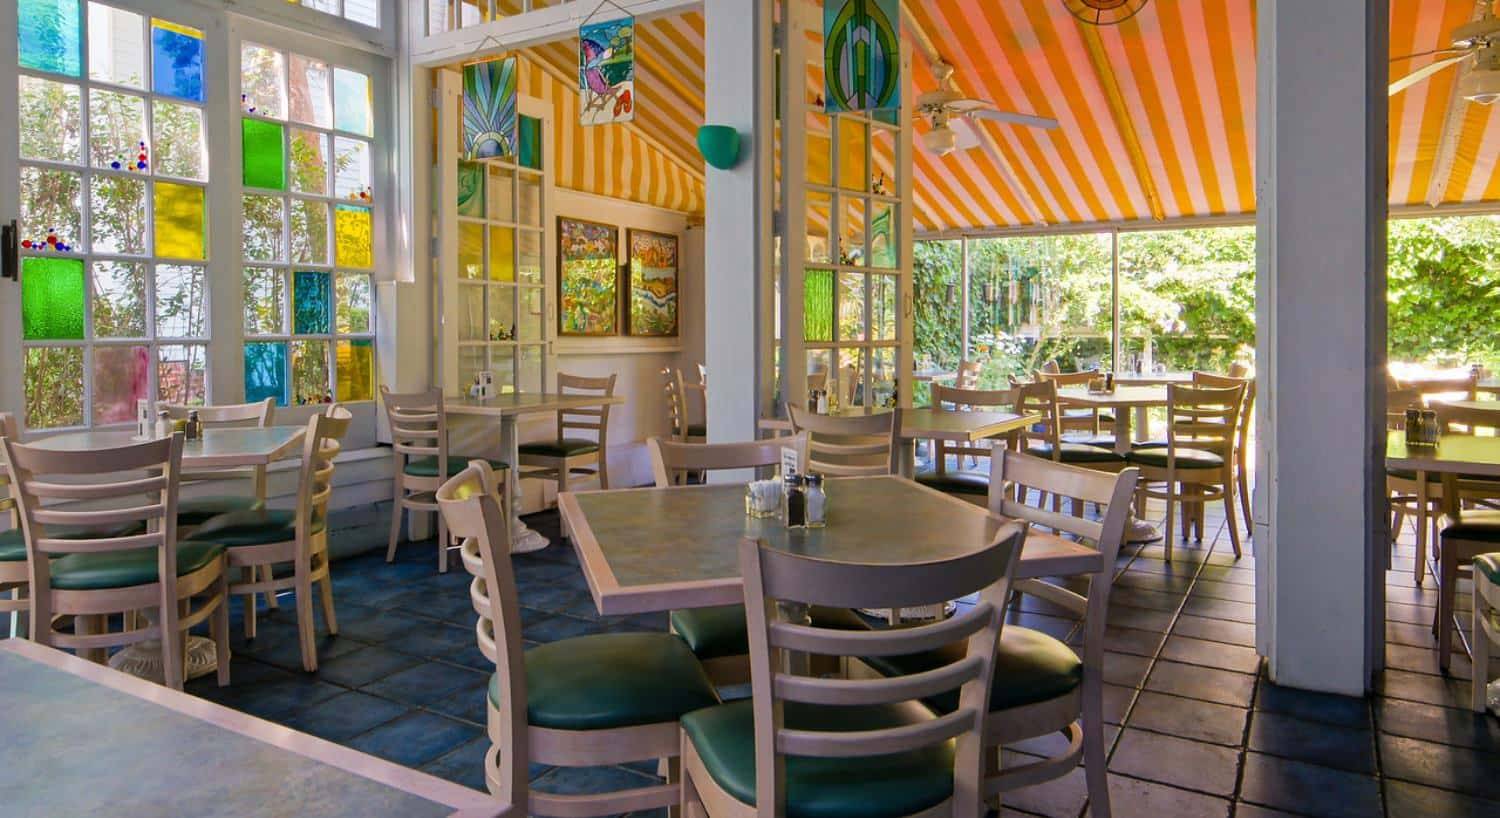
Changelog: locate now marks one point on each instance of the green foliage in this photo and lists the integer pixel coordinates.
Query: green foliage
(1443, 296)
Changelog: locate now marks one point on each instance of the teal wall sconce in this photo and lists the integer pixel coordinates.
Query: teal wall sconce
(720, 145)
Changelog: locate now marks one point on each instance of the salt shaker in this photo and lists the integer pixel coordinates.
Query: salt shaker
(163, 423)
(817, 502)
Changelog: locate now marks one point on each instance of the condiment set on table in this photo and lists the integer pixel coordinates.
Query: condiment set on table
(798, 499)
(1421, 427)
(1102, 385)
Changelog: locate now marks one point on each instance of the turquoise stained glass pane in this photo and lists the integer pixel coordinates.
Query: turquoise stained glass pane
(49, 36)
(351, 101)
(529, 137)
(176, 60)
(265, 372)
(51, 298)
(312, 303)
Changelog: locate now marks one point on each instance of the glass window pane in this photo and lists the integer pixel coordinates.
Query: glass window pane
(308, 91)
(881, 244)
(265, 301)
(309, 228)
(883, 152)
(353, 228)
(182, 374)
(312, 303)
(852, 233)
(819, 150)
(117, 213)
(470, 250)
(471, 361)
(1187, 297)
(117, 131)
(48, 38)
(181, 304)
(263, 225)
(471, 312)
(851, 307)
(265, 371)
(262, 78)
(530, 328)
(530, 379)
(122, 376)
(119, 299)
(176, 60)
(852, 175)
(178, 221)
(51, 120)
(262, 154)
(310, 381)
(351, 101)
(502, 254)
(501, 194)
(117, 51)
(54, 387)
(51, 298)
(529, 142)
(471, 189)
(351, 168)
(178, 145)
(354, 369)
(883, 308)
(850, 390)
(364, 12)
(819, 222)
(354, 303)
(530, 207)
(529, 267)
(817, 305)
(502, 314)
(50, 215)
(883, 376)
(309, 162)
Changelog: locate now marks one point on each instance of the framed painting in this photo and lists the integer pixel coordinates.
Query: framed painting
(588, 279)
(652, 306)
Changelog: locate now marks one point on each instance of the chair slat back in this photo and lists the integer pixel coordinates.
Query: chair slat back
(1469, 418)
(672, 461)
(1203, 417)
(474, 507)
(1040, 398)
(1464, 387)
(320, 446)
(8, 431)
(676, 416)
(1066, 378)
(968, 375)
(585, 418)
(227, 416)
(418, 425)
(847, 445)
(948, 397)
(777, 582)
(1247, 401)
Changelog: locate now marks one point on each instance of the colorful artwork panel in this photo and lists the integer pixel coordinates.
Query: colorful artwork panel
(471, 189)
(51, 299)
(653, 283)
(176, 60)
(606, 72)
(263, 154)
(265, 372)
(353, 232)
(49, 36)
(861, 55)
(588, 281)
(489, 109)
(122, 376)
(312, 303)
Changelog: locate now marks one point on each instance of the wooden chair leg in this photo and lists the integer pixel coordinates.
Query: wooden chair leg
(248, 574)
(172, 640)
(1242, 487)
(1169, 533)
(442, 539)
(1447, 593)
(268, 574)
(1230, 521)
(1481, 640)
(218, 627)
(306, 633)
(325, 591)
(1095, 773)
(1419, 568)
(396, 510)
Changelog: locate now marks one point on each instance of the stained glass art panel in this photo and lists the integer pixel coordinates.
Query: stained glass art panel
(115, 40)
(176, 60)
(262, 75)
(652, 302)
(117, 131)
(881, 239)
(117, 215)
(861, 55)
(353, 303)
(529, 142)
(181, 301)
(309, 229)
(265, 301)
(51, 299)
(119, 309)
(264, 225)
(312, 303)
(502, 254)
(354, 369)
(51, 120)
(853, 135)
(122, 376)
(351, 168)
(310, 381)
(49, 36)
(351, 102)
(182, 374)
(470, 250)
(54, 387)
(353, 236)
(178, 221)
(177, 145)
(309, 80)
(309, 162)
(588, 279)
(266, 372)
(817, 305)
(262, 154)
(471, 189)
(489, 109)
(50, 214)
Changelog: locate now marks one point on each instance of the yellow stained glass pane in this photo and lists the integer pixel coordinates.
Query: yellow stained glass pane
(178, 221)
(852, 175)
(502, 254)
(353, 228)
(355, 367)
(470, 250)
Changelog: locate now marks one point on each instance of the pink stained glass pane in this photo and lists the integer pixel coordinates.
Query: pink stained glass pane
(122, 376)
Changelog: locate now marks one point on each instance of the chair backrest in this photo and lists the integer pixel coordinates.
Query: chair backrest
(672, 461)
(968, 375)
(1240, 369)
(1247, 401)
(1050, 367)
(1203, 417)
(1464, 387)
(231, 415)
(948, 397)
(590, 418)
(418, 426)
(847, 445)
(1040, 398)
(1471, 418)
(474, 507)
(677, 422)
(774, 578)
(8, 431)
(1066, 378)
(320, 446)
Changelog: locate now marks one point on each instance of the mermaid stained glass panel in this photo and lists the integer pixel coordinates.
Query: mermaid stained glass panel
(606, 72)
(490, 109)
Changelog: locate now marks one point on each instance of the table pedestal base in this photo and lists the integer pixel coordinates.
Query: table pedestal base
(1138, 530)
(523, 540)
(143, 659)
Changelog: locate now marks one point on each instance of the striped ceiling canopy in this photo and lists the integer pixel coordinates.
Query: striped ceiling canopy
(1156, 114)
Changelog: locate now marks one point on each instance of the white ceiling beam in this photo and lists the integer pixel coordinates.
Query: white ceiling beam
(531, 28)
(1453, 125)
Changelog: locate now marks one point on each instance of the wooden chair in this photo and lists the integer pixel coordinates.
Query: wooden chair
(1486, 571)
(1083, 420)
(1197, 464)
(679, 407)
(1406, 498)
(93, 576)
(801, 742)
(968, 375)
(969, 485)
(609, 698)
(1241, 448)
(1045, 439)
(194, 511)
(418, 427)
(847, 445)
(1470, 532)
(560, 459)
(14, 573)
(258, 541)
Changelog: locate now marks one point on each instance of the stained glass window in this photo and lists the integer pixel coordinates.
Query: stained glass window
(356, 369)
(312, 303)
(266, 372)
(351, 101)
(48, 36)
(263, 154)
(176, 60)
(353, 228)
(122, 376)
(51, 298)
(179, 221)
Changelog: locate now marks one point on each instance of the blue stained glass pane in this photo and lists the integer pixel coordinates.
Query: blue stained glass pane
(265, 372)
(312, 303)
(176, 60)
(351, 101)
(49, 36)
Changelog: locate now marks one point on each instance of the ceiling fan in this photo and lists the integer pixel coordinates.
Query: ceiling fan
(1479, 40)
(952, 115)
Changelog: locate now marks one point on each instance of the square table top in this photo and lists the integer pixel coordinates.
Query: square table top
(220, 447)
(511, 404)
(657, 549)
(83, 739)
(1123, 396)
(1459, 454)
(933, 423)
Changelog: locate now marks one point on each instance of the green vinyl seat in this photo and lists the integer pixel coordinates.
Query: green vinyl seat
(1479, 526)
(1488, 567)
(567, 447)
(254, 527)
(13, 541)
(1187, 458)
(193, 511)
(869, 787)
(714, 633)
(611, 680)
(428, 466)
(1074, 452)
(956, 482)
(1030, 667)
(122, 569)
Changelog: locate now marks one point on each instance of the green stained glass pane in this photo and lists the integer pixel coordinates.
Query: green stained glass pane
(817, 305)
(265, 372)
(354, 369)
(54, 387)
(49, 37)
(529, 135)
(312, 303)
(471, 189)
(51, 298)
(179, 223)
(263, 159)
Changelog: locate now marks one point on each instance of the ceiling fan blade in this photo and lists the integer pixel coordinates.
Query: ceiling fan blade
(1045, 123)
(966, 133)
(1435, 51)
(1423, 73)
(964, 105)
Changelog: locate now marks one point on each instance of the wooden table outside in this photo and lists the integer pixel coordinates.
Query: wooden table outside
(82, 739)
(509, 408)
(1122, 403)
(930, 375)
(932, 423)
(1152, 378)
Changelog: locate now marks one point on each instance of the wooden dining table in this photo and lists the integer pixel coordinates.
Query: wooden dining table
(82, 739)
(935, 423)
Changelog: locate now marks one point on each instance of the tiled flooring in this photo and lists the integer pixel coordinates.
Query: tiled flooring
(1195, 730)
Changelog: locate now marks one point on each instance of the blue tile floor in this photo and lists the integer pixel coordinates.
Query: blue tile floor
(1195, 727)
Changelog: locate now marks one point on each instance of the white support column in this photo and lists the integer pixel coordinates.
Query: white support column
(1320, 310)
(737, 229)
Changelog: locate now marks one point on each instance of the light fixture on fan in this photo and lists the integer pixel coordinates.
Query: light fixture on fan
(1104, 12)
(1477, 42)
(953, 117)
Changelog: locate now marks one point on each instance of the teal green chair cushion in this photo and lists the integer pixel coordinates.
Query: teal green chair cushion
(198, 510)
(1186, 458)
(1480, 526)
(268, 525)
(12, 545)
(428, 466)
(956, 482)
(871, 787)
(567, 447)
(1488, 566)
(713, 633)
(122, 569)
(1030, 667)
(611, 680)
(13, 541)
(1073, 452)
